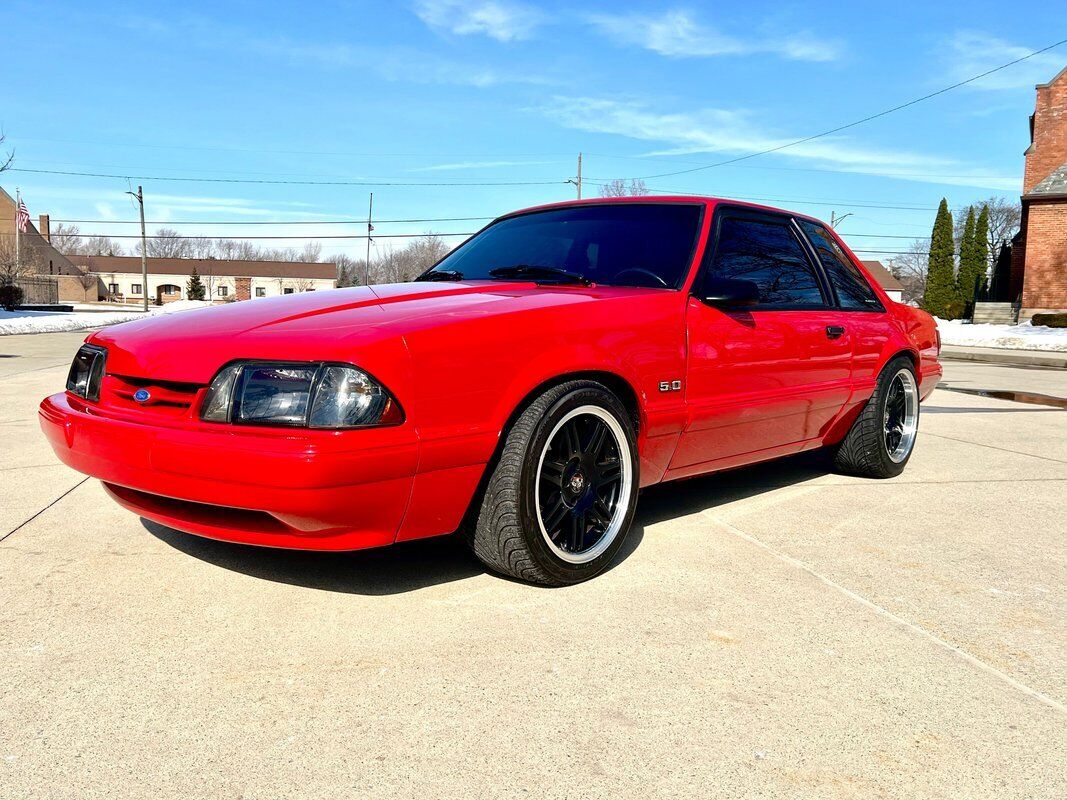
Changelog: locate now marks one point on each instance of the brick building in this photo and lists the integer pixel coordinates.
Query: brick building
(90, 278)
(1039, 250)
(224, 279)
(39, 258)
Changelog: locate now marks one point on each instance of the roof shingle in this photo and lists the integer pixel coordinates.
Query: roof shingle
(1054, 185)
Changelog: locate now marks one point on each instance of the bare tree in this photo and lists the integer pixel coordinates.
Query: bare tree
(426, 251)
(167, 243)
(5, 161)
(1005, 216)
(69, 241)
(15, 265)
(65, 238)
(618, 188)
(910, 269)
(311, 251)
(400, 265)
(88, 280)
(349, 271)
(101, 246)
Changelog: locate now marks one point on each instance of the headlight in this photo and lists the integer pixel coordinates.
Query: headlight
(87, 372)
(312, 395)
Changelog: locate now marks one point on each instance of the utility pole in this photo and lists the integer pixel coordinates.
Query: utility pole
(144, 249)
(834, 219)
(370, 230)
(577, 181)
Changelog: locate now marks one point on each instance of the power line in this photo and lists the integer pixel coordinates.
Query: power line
(675, 160)
(182, 237)
(277, 222)
(772, 199)
(853, 124)
(176, 178)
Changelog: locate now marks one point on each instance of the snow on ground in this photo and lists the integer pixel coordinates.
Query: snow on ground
(1014, 337)
(12, 322)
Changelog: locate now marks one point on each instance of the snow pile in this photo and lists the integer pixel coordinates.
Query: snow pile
(12, 322)
(179, 305)
(1013, 337)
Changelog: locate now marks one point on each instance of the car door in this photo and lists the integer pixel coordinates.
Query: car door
(768, 378)
(862, 312)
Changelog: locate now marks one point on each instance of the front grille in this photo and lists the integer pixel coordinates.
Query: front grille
(169, 398)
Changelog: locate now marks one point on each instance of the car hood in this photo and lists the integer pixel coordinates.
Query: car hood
(190, 346)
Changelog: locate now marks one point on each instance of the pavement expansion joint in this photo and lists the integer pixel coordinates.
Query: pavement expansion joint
(901, 621)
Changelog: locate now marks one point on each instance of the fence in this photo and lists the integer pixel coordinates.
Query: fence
(38, 290)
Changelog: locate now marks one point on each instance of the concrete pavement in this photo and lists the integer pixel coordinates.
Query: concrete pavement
(773, 632)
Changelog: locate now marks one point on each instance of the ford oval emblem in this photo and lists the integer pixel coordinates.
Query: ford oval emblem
(142, 395)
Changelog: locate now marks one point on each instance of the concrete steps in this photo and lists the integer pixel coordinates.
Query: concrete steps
(995, 313)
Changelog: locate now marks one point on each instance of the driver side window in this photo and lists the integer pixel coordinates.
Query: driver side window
(767, 252)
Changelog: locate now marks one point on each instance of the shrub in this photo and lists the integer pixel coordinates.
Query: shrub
(10, 296)
(1058, 320)
(954, 309)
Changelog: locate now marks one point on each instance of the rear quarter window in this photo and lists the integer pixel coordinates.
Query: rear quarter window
(852, 290)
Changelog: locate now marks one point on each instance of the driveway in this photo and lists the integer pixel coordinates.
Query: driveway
(776, 631)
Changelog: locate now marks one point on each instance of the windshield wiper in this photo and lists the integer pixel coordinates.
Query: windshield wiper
(441, 275)
(544, 273)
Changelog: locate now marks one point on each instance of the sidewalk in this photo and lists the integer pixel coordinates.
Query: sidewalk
(1004, 355)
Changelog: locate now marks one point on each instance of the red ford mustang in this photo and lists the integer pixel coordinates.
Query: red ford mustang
(523, 389)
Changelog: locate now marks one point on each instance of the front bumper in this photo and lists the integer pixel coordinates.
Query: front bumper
(313, 490)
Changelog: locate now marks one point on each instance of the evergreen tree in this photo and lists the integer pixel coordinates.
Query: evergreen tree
(972, 264)
(981, 245)
(194, 289)
(940, 295)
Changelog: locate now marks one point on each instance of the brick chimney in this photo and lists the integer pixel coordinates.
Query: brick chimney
(43, 228)
(1048, 132)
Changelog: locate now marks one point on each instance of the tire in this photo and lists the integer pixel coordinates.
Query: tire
(870, 449)
(555, 462)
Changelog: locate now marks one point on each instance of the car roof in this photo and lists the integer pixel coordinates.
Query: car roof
(704, 200)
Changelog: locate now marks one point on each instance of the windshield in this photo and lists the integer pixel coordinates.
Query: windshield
(631, 244)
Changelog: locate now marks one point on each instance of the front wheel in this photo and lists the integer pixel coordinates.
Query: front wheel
(560, 501)
(882, 438)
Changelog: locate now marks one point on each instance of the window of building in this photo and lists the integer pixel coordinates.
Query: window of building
(766, 251)
(261, 291)
(135, 288)
(113, 288)
(223, 291)
(852, 289)
(287, 290)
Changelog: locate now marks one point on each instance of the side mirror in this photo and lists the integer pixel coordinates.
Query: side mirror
(730, 293)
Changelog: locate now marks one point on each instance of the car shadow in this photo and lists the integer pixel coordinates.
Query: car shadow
(409, 566)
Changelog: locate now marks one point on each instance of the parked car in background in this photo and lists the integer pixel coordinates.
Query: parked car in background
(523, 389)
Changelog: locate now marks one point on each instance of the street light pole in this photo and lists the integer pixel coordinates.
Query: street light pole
(835, 220)
(370, 230)
(144, 249)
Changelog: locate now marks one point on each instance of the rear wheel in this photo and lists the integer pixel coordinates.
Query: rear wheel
(560, 501)
(882, 438)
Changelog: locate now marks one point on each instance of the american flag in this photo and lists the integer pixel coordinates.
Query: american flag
(22, 217)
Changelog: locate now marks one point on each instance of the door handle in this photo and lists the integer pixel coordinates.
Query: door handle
(835, 331)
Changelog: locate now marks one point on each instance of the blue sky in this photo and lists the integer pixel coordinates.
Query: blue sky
(500, 91)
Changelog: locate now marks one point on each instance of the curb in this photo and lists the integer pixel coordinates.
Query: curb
(994, 355)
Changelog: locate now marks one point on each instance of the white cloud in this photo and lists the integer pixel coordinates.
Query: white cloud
(971, 53)
(736, 132)
(498, 19)
(679, 35)
(399, 64)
